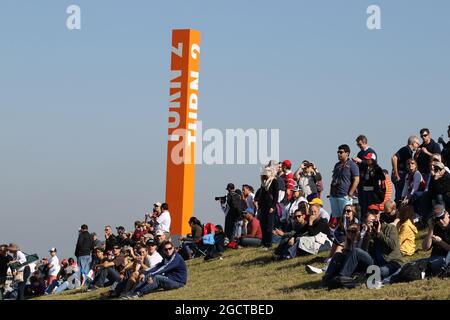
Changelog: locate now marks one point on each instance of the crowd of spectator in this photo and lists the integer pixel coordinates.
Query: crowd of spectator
(374, 221)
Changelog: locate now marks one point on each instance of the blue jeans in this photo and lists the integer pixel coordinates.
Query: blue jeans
(158, 282)
(84, 262)
(52, 286)
(359, 257)
(250, 242)
(437, 264)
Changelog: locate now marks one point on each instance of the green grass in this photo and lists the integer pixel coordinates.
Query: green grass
(250, 274)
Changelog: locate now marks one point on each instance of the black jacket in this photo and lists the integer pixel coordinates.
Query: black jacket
(85, 244)
(320, 225)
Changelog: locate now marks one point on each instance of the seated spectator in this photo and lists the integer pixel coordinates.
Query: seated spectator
(160, 238)
(71, 277)
(216, 250)
(253, 237)
(439, 186)
(122, 237)
(438, 240)
(291, 207)
(170, 274)
(310, 226)
(339, 235)
(37, 284)
(192, 241)
(414, 186)
(390, 213)
(380, 246)
(323, 213)
(407, 231)
(109, 268)
(288, 239)
(352, 241)
(110, 239)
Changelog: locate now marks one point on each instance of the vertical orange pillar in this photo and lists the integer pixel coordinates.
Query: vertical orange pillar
(180, 176)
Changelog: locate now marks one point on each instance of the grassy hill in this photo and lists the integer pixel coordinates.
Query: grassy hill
(250, 274)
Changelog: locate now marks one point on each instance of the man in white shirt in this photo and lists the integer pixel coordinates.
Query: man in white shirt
(53, 266)
(163, 220)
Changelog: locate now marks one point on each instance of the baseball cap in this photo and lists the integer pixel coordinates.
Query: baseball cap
(297, 188)
(316, 201)
(121, 228)
(250, 210)
(287, 164)
(230, 186)
(84, 227)
(157, 204)
(370, 156)
(151, 243)
(52, 250)
(438, 211)
(373, 207)
(440, 165)
(159, 233)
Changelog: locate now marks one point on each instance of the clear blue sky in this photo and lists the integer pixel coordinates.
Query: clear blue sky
(83, 113)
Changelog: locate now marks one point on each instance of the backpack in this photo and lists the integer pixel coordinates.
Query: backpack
(232, 245)
(412, 271)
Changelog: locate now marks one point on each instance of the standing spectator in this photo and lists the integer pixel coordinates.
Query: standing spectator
(163, 221)
(4, 260)
(267, 204)
(307, 180)
(362, 143)
(371, 183)
(22, 273)
(249, 195)
(53, 266)
(438, 239)
(83, 252)
(425, 153)
(399, 161)
(344, 182)
(253, 237)
(446, 149)
(388, 186)
(288, 178)
(110, 239)
(232, 207)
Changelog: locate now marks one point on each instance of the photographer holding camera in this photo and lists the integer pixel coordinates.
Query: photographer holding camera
(380, 246)
(438, 239)
(231, 205)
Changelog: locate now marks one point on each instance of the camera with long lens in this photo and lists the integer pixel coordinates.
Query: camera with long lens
(221, 199)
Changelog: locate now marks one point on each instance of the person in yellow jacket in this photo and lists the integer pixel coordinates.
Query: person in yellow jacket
(407, 231)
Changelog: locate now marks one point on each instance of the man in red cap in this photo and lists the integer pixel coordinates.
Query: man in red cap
(288, 177)
(371, 188)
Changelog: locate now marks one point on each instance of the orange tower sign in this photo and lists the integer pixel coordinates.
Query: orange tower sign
(180, 176)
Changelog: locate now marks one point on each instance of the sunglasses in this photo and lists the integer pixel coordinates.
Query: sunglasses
(142, 252)
(298, 217)
(340, 152)
(437, 219)
(168, 249)
(348, 211)
(424, 135)
(351, 231)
